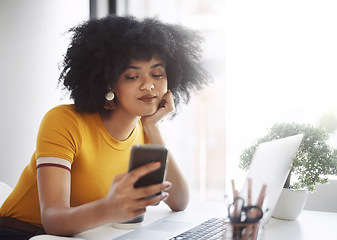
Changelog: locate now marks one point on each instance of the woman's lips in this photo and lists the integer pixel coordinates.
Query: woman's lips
(147, 98)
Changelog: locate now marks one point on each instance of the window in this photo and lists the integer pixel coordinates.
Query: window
(272, 61)
(198, 138)
(281, 60)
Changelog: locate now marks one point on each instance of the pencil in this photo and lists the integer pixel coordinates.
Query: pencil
(233, 189)
(262, 196)
(235, 195)
(259, 203)
(255, 229)
(250, 191)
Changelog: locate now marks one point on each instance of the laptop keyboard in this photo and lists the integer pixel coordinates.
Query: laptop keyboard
(212, 229)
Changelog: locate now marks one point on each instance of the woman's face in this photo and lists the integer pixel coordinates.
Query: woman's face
(141, 87)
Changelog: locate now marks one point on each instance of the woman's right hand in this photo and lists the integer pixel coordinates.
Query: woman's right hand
(124, 202)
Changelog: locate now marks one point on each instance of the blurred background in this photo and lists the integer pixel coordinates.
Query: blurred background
(271, 61)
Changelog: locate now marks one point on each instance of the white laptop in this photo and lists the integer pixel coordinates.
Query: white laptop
(270, 165)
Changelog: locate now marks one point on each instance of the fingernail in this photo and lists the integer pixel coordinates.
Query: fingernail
(165, 195)
(168, 185)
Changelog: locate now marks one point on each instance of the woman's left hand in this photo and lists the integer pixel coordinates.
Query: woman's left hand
(166, 107)
(179, 192)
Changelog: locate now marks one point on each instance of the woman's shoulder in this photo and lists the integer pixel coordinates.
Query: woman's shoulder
(70, 108)
(67, 114)
(64, 110)
(61, 113)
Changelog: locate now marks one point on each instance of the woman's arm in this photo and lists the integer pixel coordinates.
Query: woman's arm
(122, 203)
(179, 192)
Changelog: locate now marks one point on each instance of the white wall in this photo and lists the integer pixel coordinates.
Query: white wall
(31, 46)
(324, 198)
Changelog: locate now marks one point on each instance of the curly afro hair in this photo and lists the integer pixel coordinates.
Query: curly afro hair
(100, 50)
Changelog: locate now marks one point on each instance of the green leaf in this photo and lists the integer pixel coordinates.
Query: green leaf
(314, 160)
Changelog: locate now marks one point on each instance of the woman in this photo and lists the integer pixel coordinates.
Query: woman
(125, 76)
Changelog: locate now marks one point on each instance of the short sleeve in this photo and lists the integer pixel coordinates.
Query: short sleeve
(59, 134)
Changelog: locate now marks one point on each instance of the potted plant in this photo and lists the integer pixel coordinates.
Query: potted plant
(314, 161)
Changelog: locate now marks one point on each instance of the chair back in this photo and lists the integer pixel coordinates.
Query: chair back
(5, 190)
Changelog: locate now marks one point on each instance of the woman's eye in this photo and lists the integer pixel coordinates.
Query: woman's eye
(131, 77)
(157, 75)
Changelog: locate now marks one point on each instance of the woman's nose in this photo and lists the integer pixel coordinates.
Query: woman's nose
(147, 84)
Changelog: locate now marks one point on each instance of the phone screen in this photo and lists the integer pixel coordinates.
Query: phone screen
(143, 154)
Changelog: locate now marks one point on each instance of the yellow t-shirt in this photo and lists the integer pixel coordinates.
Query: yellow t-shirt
(81, 139)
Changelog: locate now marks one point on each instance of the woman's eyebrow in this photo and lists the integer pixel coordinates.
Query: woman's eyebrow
(157, 65)
(133, 67)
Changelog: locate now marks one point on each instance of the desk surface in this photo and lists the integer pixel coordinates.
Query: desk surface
(310, 225)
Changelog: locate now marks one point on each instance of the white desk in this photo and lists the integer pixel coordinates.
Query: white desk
(310, 225)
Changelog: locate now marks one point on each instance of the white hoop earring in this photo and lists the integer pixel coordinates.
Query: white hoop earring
(109, 103)
(109, 96)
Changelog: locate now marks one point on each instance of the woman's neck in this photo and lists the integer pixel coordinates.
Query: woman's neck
(119, 124)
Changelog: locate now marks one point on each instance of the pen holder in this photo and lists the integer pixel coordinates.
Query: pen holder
(242, 231)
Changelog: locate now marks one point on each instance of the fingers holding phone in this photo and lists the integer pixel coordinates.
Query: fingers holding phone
(137, 172)
(125, 202)
(142, 186)
(141, 155)
(152, 195)
(145, 185)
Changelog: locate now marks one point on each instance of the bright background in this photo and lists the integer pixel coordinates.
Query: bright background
(271, 61)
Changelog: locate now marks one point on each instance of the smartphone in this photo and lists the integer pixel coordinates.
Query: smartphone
(143, 154)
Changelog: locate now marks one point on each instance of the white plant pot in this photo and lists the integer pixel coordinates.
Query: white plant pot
(290, 204)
